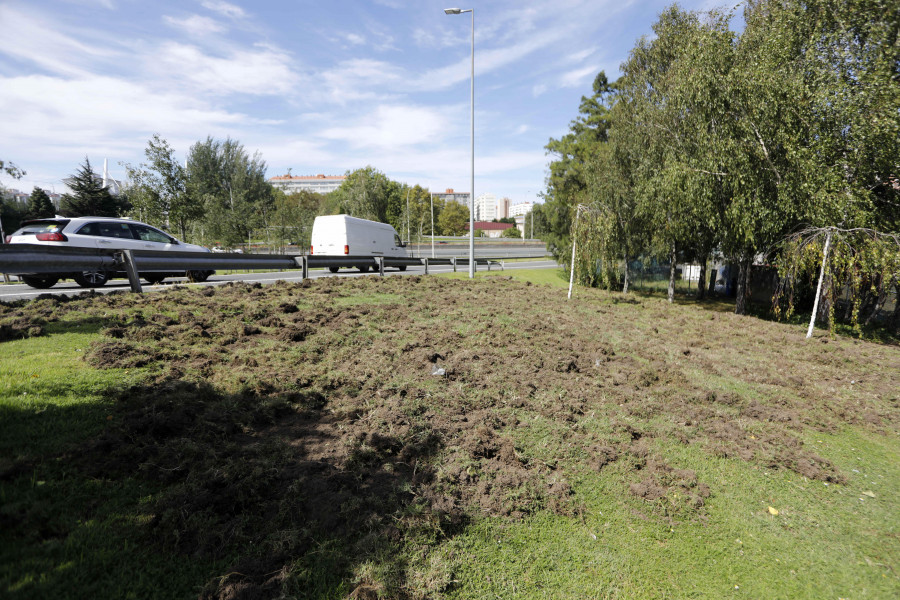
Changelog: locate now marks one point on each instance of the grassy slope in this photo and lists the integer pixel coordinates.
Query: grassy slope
(66, 535)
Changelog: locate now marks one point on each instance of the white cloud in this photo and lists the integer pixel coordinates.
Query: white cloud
(522, 129)
(257, 71)
(578, 77)
(391, 127)
(195, 25)
(354, 38)
(359, 79)
(34, 39)
(49, 119)
(580, 56)
(428, 38)
(50, 108)
(225, 8)
(538, 90)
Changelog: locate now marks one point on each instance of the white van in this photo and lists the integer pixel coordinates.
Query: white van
(343, 235)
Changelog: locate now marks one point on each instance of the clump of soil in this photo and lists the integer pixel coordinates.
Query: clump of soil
(374, 411)
(18, 326)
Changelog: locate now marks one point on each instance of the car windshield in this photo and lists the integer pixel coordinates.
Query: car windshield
(41, 227)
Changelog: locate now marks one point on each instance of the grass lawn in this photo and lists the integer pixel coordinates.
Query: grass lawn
(435, 437)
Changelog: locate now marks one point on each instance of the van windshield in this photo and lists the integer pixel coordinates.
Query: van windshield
(398, 242)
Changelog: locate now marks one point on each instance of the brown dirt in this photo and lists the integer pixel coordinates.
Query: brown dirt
(279, 414)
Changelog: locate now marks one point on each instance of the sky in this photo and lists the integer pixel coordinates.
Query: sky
(314, 86)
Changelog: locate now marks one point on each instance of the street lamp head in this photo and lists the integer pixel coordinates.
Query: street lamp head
(452, 11)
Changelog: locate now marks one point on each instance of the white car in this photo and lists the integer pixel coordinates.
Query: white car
(100, 232)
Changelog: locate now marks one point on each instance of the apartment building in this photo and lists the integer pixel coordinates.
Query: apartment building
(486, 207)
(320, 184)
(523, 208)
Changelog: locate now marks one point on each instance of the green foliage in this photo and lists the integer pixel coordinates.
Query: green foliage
(717, 141)
(861, 272)
(158, 192)
(232, 186)
(294, 215)
(418, 214)
(512, 232)
(10, 168)
(566, 183)
(89, 197)
(368, 194)
(453, 219)
(11, 215)
(39, 205)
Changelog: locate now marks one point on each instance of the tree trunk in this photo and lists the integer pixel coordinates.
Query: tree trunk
(741, 302)
(672, 276)
(895, 316)
(812, 319)
(625, 285)
(701, 281)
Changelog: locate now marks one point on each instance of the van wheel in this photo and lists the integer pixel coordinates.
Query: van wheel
(40, 282)
(333, 269)
(91, 279)
(402, 267)
(153, 279)
(363, 268)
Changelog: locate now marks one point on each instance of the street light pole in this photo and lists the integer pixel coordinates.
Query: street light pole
(408, 237)
(432, 224)
(457, 11)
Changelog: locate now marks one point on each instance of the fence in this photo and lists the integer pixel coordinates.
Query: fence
(33, 258)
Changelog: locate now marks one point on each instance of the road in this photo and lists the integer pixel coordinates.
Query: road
(19, 291)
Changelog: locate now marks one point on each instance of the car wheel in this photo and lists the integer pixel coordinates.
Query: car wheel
(92, 279)
(153, 279)
(197, 276)
(402, 267)
(41, 282)
(333, 269)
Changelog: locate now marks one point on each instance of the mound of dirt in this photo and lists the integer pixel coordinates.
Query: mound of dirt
(373, 411)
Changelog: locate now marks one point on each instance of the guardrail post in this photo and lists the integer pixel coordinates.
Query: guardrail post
(502, 265)
(304, 266)
(128, 260)
(380, 261)
(454, 264)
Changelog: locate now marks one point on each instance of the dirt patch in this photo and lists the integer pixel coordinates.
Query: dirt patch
(20, 328)
(375, 411)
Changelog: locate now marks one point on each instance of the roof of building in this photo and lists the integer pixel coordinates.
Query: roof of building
(490, 226)
(290, 177)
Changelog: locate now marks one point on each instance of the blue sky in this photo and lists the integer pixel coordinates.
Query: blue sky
(314, 86)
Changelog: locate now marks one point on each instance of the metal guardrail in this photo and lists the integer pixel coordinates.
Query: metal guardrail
(36, 258)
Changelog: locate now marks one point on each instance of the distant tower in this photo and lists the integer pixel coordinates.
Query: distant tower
(112, 185)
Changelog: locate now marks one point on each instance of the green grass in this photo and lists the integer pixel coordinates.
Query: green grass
(84, 537)
(65, 533)
(825, 542)
(551, 277)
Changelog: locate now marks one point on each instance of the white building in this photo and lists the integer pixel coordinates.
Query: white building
(486, 207)
(320, 184)
(451, 196)
(520, 209)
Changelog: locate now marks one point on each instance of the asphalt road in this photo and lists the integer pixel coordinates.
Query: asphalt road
(19, 291)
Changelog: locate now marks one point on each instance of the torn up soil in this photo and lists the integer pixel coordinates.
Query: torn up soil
(379, 412)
